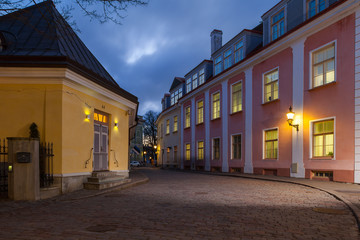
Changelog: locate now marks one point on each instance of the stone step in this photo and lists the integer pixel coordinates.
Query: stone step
(105, 179)
(104, 174)
(105, 184)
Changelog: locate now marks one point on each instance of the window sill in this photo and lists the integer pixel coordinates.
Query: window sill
(199, 124)
(272, 101)
(270, 159)
(235, 159)
(234, 113)
(215, 119)
(321, 86)
(175, 131)
(185, 128)
(167, 134)
(322, 158)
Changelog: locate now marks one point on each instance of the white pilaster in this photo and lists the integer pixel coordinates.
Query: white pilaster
(298, 107)
(248, 121)
(182, 145)
(357, 97)
(207, 130)
(224, 123)
(192, 128)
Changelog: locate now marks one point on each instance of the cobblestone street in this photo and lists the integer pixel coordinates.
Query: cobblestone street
(180, 205)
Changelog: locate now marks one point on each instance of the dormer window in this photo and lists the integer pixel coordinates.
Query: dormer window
(201, 76)
(194, 81)
(277, 25)
(239, 51)
(218, 65)
(188, 85)
(313, 7)
(227, 59)
(175, 96)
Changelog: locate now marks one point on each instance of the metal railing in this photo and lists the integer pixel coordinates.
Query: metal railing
(46, 153)
(3, 168)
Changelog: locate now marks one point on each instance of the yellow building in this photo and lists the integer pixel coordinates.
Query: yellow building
(48, 76)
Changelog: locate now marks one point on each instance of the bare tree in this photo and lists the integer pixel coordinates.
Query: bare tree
(150, 129)
(100, 10)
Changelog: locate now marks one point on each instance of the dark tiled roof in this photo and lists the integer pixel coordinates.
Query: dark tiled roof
(39, 36)
(177, 81)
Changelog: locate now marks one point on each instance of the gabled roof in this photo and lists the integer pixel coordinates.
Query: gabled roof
(177, 81)
(38, 36)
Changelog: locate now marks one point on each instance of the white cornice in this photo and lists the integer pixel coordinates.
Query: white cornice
(331, 17)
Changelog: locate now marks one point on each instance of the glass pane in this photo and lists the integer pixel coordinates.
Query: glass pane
(318, 151)
(275, 75)
(321, 5)
(329, 140)
(282, 28)
(275, 154)
(330, 71)
(319, 57)
(330, 52)
(318, 127)
(329, 126)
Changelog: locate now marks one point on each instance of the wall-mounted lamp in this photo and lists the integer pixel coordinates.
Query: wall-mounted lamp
(290, 117)
(87, 116)
(10, 168)
(116, 124)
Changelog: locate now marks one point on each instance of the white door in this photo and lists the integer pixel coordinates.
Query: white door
(101, 143)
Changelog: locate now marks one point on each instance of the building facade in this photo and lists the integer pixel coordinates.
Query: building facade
(303, 58)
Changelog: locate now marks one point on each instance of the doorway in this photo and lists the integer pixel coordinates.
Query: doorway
(101, 141)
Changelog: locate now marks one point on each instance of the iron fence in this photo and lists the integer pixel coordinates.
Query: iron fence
(3, 168)
(46, 152)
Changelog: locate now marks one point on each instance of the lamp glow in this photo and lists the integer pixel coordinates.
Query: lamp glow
(290, 117)
(87, 116)
(116, 124)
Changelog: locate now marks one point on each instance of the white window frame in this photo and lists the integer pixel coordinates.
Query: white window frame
(221, 62)
(197, 115)
(231, 98)
(197, 149)
(185, 125)
(243, 52)
(195, 81)
(177, 123)
(202, 75)
(189, 151)
(167, 130)
(305, 11)
(311, 124)
(229, 57)
(188, 85)
(263, 144)
(277, 10)
(311, 63)
(212, 105)
(213, 149)
(263, 84)
(232, 149)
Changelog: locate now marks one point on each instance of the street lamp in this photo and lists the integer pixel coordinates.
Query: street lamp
(290, 118)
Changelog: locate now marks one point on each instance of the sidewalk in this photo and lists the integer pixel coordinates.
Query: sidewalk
(348, 193)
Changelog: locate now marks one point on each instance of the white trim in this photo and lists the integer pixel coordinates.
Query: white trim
(311, 62)
(263, 143)
(192, 125)
(311, 124)
(231, 96)
(263, 83)
(207, 130)
(231, 146)
(248, 167)
(181, 138)
(73, 174)
(225, 129)
(212, 105)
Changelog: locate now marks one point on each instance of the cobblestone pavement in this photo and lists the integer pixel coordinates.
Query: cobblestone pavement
(181, 205)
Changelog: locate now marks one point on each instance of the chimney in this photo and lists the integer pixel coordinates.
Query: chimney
(216, 40)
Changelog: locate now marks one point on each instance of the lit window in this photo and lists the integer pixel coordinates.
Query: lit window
(236, 147)
(323, 66)
(187, 117)
(100, 118)
(175, 124)
(187, 152)
(218, 65)
(236, 93)
(277, 25)
(167, 126)
(216, 105)
(271, 144)
(200, 112)
(271, 86)
(175, 96)
(227, 59)
(201, 76)
(323, 138)
(175, 154)
(314, 7)
(239, 51)
(172, 99)
(195, 81)
(200, 150)
(216, 149)
(188, 85)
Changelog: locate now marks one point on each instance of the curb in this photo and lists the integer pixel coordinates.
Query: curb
(353, 209)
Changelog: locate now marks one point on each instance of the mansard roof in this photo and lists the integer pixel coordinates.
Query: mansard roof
(177, 81)
(38, 36)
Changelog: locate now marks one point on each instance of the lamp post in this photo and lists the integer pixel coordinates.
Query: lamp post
(155, 159)
(290, 118)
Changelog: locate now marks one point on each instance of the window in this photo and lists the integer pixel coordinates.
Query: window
(188, 85)
(239, 51)
(271, 86)
(187, 117)
(195, 81)
(175, 96)
(218, 65)
(200, 112)
(216, 105)
(236, 97)
(216, 149)
(227, 59)
(200, 150)
(271, 144)
(201, 76)
(100, 118)
(168, 154)
(175, 154)
(168, 126)
(277, 25)
(313, 7)
(175, 124)
(323, 138)
(187, 152)
(323, 69)
(236, 147)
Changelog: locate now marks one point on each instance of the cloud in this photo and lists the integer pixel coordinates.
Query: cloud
(149, 105)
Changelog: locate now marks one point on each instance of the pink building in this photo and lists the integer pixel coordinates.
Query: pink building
(305, 54)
